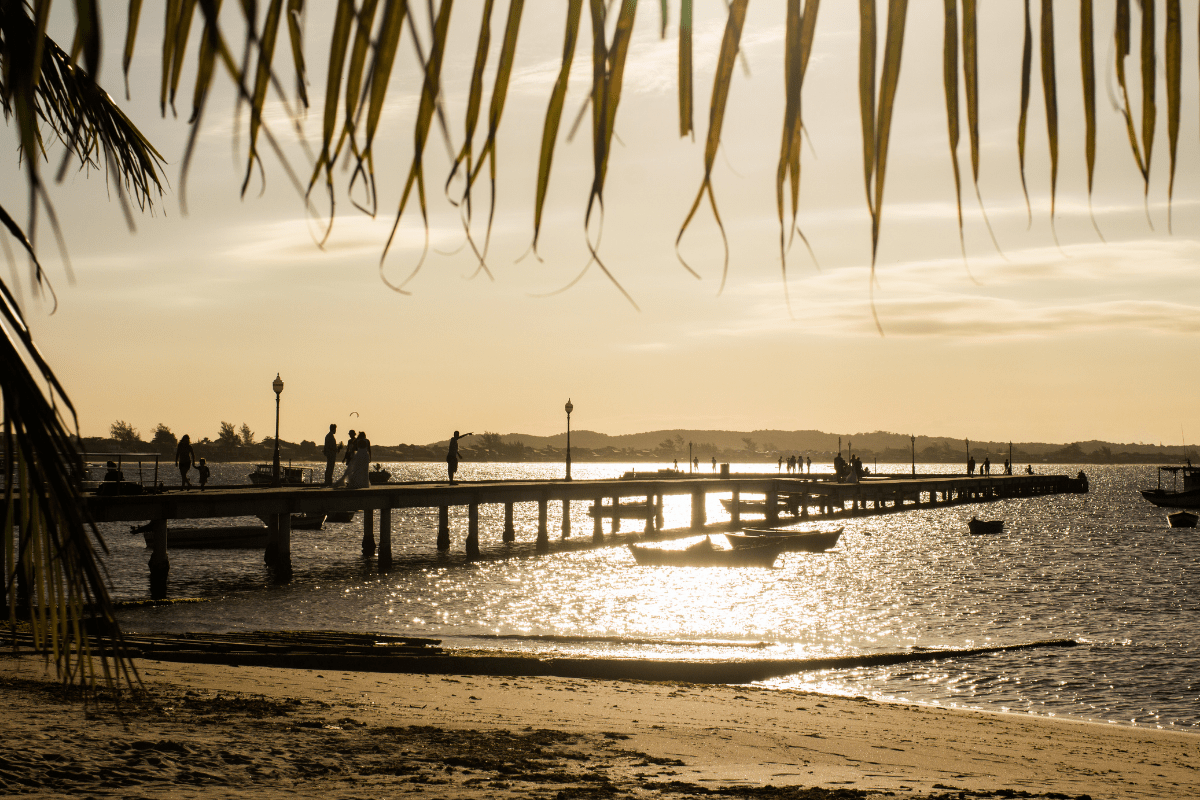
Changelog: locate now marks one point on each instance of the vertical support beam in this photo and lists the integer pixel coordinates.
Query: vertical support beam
(804, 505)
(772, 507)
(598, 522)
(658, 513)
(649, 529)
(473, 529)
(699, 518)
(160, 564)
(543, 538)
(368, 542)
(510, 533)
(283, 556)
(272, 550)
(735, 515)
(385, 538)
(566, 518)
(616, 520)
(443, 540)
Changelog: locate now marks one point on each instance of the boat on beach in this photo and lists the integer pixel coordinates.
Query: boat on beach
(1183, 519)
(788, 540)
(1187, 497)
(705, 554)
(981, 526)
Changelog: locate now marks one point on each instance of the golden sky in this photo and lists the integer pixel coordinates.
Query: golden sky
(188, 320)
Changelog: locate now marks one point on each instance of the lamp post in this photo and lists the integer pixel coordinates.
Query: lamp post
(569, 409)
(277, 385)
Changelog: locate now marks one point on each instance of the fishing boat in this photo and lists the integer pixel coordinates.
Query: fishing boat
(1188, 497)
(789, 541)
(264, 474)
(985, 525)
(1183, 519)
(705, 554)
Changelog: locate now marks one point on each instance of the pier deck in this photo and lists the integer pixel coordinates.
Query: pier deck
(807, 497)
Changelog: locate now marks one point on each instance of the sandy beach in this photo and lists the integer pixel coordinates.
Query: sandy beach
(213, 731)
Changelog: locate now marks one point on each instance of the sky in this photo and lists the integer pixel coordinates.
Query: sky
(187, 321)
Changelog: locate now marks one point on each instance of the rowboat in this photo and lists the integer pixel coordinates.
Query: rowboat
(789, 541)
(1183, 519)
(704, 554)
(1188, 497)
(222, 537)
(754, 506)
(985, 525)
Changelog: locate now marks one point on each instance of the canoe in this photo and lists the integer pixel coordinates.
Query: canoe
(710, 556)
(789, 541)
(1183, 519)
(985, 525)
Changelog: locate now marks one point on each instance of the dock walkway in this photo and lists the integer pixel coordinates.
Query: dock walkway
(806, 497)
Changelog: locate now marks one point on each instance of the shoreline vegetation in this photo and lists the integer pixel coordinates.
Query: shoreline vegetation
(664, 446)
(208, 730)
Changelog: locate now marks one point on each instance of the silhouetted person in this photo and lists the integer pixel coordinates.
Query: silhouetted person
(202, 468)
(696, 463)
(810, 465)
(452, 454)
(677, 465)
(987, 466)
(185, 457)
(714, 463)
(781, 463)
(330, 450)
(970, 465)
(839, 467)
(113, 473)
(351, 443)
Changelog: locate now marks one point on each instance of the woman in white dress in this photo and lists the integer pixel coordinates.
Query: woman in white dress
(356, 474)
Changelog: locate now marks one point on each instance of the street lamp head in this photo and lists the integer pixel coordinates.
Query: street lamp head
(277, 385)
(569, 407)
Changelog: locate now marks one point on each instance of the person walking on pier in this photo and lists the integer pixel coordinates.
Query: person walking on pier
(332, 446)
(810, 465)
(987, 466)
(970, 465)
(714, 463)
(202, 468)
(185, 457)
(452, 454)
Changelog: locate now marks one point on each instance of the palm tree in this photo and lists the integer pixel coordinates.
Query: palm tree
(50, 563)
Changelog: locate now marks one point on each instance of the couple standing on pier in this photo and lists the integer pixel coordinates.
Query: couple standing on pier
(357, 460)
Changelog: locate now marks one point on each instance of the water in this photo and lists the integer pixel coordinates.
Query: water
(1101, 568)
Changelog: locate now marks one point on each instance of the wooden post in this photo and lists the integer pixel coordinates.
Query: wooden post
(385, 538)
(616, 520)
(443, 539)
(272, 550)
(510, 533)
(598, 522)
(566, 519)
(160, 564)
(699, 518)
(735, 514)
(543, 538)
(804, 505)
(772, 507)
(649, 529)
(473, 529)
(283, 556)
(368, 542)
(658, 513)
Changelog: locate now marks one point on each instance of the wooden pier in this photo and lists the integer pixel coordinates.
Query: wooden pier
(807, 497)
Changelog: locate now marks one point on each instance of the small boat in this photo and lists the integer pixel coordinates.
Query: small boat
(1183, 519)
(264, 474)
(704, 554)
(790, 541)
(985, 525)
(222, 537)
(339, 516)
(1188, 497)
(302, 522)
(754, 506)
(379, 475)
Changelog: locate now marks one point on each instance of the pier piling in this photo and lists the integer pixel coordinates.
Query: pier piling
(368, 540)
(160, 564)
(598, 521)
(473, 530)
(510, 532)
(566, 519)
(443, 536)
(543, 537)
(385, 538)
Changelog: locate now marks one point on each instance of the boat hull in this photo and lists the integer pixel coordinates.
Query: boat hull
(788, 542)
(225, 537)
(1165, 499)
(982, 526)
(764, 556)
(1183, 519)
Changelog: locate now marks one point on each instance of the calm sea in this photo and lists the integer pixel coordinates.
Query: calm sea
(1102, 568)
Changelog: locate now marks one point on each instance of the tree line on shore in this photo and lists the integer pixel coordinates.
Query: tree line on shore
(240, 444)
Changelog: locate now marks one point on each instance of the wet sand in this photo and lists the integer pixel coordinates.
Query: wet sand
(216, 731)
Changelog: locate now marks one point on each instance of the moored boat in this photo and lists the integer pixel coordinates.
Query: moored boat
(704, 554)
(754, 506)
(218, 537)
(1187, 497)
(789, 541)
(1183, 519)
(264, 474)
(624, 510)
(985, 525)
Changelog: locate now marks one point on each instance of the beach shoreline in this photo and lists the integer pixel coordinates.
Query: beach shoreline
(211, 730)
